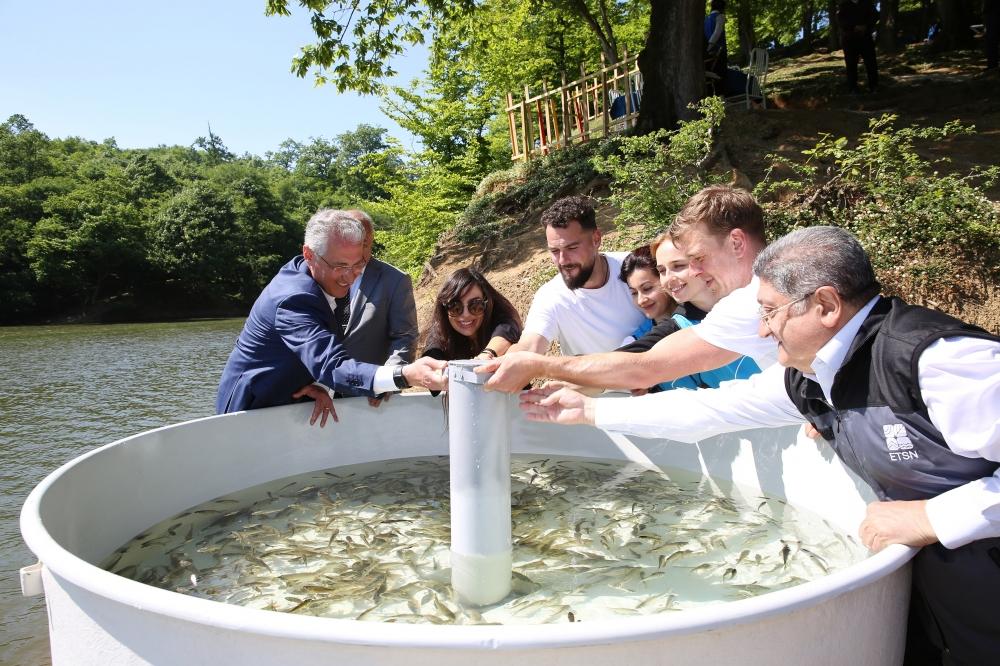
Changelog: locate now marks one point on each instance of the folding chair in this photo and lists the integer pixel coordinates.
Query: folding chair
(756, 78)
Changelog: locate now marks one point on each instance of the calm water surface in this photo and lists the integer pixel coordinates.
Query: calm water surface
(65, 390)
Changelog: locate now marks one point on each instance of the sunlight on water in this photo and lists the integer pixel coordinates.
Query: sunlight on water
(592, 539)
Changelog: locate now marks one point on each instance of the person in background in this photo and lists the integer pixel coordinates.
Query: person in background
(585, 308)
(716, 55)
(909, 399)
(991, 23)
(471, 320)
(380, 317)
(693, 299)
(858, 20)
(292, 336)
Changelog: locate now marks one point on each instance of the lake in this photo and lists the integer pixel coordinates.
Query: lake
(67, 389)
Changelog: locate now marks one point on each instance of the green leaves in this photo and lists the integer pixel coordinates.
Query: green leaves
(654, 175)
(356, 39)
(930, 234)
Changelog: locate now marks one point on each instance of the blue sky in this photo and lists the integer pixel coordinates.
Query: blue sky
(151, 73)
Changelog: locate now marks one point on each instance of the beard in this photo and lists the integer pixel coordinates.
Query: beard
(580, 279)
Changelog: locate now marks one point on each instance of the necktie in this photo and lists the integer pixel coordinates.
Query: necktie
(341, 313)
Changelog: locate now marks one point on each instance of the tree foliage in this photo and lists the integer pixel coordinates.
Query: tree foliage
(86, 225)
(916, 220)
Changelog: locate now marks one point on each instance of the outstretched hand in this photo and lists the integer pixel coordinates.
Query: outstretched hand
(553, 404)
(511, 371)
(428, 373)
(323, 407)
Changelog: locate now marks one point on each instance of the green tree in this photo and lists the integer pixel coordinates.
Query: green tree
(212, 148)
(196, 242)
(356, 41)
(90, 242)
(24, 152)
(361, 146)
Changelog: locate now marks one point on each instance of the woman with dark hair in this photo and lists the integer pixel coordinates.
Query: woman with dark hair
(639, 272)
(695, 299)
(471, 320)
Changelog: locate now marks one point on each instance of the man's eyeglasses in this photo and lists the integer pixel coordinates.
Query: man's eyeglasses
(344, 268)
(767, 314)
(455, 308)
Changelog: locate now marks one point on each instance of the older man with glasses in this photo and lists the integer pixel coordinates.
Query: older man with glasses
(294, 336)
(909, 398)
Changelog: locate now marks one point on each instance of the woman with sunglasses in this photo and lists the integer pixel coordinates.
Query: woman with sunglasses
(471, 320)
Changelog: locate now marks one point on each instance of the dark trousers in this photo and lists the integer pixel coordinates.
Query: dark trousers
(991, 18)
(862, 46)
(955, 604)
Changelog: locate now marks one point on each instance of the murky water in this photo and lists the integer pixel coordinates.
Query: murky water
(67, 389)
(592, 539)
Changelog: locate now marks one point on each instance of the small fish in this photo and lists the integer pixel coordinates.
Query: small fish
(729, 574)
(817, 559)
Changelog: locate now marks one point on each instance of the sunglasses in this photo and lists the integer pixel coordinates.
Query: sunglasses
(455, 308)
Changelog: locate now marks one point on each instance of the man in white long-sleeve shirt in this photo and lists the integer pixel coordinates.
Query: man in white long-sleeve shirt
(909, 398)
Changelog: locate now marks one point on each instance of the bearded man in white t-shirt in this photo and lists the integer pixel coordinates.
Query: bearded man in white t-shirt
(584, 307)
(721, 229)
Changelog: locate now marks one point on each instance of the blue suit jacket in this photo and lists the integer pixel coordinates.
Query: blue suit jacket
(287, 342)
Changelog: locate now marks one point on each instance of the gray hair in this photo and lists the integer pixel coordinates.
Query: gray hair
(362, 217)
(330, 223)
(801, 262)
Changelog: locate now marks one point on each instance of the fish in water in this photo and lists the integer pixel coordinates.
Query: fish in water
(592, 539)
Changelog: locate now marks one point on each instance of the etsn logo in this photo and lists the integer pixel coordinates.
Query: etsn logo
(899, 445)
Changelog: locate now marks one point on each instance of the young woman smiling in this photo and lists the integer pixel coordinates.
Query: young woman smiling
(696, 299)
(471, 320)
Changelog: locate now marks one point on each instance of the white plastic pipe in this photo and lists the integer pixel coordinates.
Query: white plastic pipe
(479, 449)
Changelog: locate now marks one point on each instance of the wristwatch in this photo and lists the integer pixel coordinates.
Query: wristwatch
(399, 378)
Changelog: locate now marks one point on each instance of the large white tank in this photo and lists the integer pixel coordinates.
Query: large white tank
(81, 512)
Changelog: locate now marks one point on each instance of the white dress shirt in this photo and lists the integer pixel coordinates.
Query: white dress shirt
(959, 380)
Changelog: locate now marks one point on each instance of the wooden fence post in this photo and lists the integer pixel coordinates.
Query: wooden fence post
(563, 102)
(526, 125)
(604, 97)
(512, 128)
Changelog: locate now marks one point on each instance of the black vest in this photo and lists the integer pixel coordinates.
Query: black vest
(878, 423)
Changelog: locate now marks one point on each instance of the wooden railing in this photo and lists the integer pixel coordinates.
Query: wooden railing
(595, 105)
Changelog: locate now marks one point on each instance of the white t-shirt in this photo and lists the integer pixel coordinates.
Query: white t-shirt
(733, 324)
(585, 321)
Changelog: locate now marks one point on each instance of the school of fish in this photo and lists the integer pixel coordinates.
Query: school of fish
(592, 539)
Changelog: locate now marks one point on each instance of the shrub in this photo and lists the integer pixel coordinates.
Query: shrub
(655, 174)
(523, 189)
(932, 235)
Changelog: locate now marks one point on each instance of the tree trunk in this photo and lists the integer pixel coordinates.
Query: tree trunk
(833, 38)
(808, 16)
(888, 20)
(671, 64)
(955, 21)
(744, 23)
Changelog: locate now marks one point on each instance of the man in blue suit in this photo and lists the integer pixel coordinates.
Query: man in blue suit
(294, 334)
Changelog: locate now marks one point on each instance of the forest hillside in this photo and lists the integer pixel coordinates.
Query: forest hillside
(932, 251)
